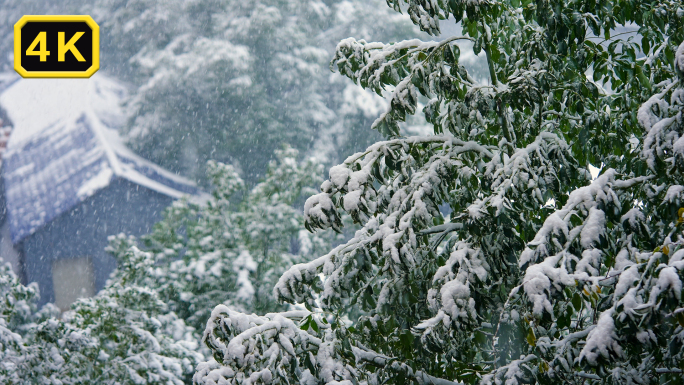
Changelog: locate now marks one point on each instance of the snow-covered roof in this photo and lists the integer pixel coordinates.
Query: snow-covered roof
(64, 147)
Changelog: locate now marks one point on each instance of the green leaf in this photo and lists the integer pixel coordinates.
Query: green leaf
(680, 318)
(495, 54)
(472, 28)
(480, 338)
(645, 45)
(531, 338)
(576, 301)
(306, 324)
(406, 339)
(561, 322)
(477, 46)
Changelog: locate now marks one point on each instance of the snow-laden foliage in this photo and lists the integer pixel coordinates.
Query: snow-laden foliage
(232, 248)
(123, 335)
(232, 80)
(17, 307)
(487, 253)
(22, 360)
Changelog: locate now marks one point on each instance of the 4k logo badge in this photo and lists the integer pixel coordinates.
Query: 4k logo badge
(56, 46)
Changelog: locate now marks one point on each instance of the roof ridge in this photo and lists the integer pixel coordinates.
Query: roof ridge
(96, 127)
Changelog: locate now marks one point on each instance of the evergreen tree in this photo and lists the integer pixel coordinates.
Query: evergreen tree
(487, 252)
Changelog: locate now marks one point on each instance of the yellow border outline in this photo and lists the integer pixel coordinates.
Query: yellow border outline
(56, 74)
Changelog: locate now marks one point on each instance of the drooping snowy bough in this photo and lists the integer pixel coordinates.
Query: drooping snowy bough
(487, 252)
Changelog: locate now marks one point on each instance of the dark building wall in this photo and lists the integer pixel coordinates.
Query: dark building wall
(122, 207)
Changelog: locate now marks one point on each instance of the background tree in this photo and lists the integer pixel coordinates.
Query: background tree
(487, 252)
(123, 335)
(17, 308)
(231, 81)
(232, 248)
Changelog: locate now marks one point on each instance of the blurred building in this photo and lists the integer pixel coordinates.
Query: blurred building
(70, 182)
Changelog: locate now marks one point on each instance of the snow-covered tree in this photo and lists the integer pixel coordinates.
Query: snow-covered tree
(487, 252)
(231, 80)
(17, 306)
(123, 335)
(232, 248)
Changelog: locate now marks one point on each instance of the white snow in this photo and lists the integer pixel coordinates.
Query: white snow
(96, 183)
(593, 228)
(352, 201)
(316, 206)
(541, 278)
(589, 262)
(594, 171)
(678, 146)
(645, 114)
(339, 175)
(634, 216)
(668, 279)
(627, 279)
(35, 104)
(673, 193)
(602, 340)
(357, 179)
(679, 57)
(457, 302)
(676, 257)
